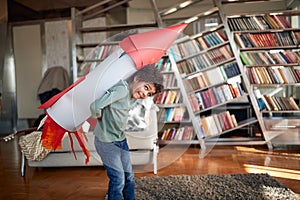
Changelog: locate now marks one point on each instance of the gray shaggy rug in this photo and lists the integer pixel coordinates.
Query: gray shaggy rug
(214, 187)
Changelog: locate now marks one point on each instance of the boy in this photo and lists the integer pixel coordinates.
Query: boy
(112, 111)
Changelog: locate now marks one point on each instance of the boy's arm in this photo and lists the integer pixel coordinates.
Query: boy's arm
(108, 98)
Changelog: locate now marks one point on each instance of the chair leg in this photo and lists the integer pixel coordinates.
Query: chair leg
(23, 164)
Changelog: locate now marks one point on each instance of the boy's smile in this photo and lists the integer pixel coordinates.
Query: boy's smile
(142, 90)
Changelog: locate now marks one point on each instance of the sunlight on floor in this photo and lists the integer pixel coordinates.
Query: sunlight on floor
(272, 171)
(266, 152)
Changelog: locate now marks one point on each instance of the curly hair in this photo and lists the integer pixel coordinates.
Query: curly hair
(149, 74)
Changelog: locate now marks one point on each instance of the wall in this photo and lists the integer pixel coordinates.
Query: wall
(57, 44)
(28, 68)
(19, 88)
(237, 8)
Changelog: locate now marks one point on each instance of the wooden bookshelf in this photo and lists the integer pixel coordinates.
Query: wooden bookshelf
(268, 48)
(91, 43)
(210, 78)
(175, 126)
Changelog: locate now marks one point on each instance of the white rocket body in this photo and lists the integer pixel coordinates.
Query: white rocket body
(73, 108)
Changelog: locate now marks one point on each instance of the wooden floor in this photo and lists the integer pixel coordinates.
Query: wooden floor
(91, 182)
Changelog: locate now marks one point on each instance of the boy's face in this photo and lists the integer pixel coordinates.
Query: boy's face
(142, 90)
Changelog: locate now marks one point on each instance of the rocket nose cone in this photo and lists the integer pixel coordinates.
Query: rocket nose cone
(178, 28)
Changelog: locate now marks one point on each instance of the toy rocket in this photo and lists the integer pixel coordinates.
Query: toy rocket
(67, 111)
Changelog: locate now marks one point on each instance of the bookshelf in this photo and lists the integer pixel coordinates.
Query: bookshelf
(268, 47)
(93, 39)
(88, 62)
(217, 72)
(214, 87)
(175, 126)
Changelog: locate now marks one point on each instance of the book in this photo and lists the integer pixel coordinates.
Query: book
(224, 121)
(279, 103)
(172, 134)
(271, 103)
(221, 94)
(266, 103)
(179, 113)
(194, 102)
(200, 101)
(187, 133)
(272, 22)
(293, 103)
(227, 93)
(211, 96)
(202, 81)
(170, 97)
(179, 133)
(217, 122)
(240, 41)
(206, 99)
(261, 23)
(164, 96)
(165, 134)
(280, 70)
(229, 119)
(211, 126)
(205, 126)
(233, 119)
(214, 76)
(169, 114)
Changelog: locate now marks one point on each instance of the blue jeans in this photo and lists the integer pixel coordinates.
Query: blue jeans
(116, 160)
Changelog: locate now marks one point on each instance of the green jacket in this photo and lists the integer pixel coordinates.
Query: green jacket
(113, 107)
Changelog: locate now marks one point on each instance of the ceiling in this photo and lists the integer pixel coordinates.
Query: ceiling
(23, 10)
(53, 5)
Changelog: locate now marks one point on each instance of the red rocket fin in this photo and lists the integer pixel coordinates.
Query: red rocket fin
(52, 135)
(80, 138)
(51, 101)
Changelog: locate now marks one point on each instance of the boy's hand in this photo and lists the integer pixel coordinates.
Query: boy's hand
(99, 118)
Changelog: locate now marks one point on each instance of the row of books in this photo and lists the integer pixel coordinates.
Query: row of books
(173, 114)
(215, 124)
(273, 75)
(164, 64)
(274, 103)
(212, 39)
(181, 133)
(167, 97)
(103, 51)
(277, 39)
(169, 80)
(259, 22)
(213, 76)
(189, 66)
(86, 67)
(215, 95)
(202, 61)
(270, 58)
(184, 49)
(95, 57)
